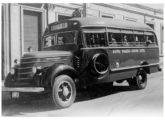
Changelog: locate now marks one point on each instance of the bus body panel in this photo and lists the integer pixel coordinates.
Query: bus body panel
(132, 57)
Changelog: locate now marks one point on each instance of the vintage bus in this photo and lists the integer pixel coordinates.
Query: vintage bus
(81, 52)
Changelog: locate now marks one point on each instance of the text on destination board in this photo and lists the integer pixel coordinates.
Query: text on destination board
(59, 26)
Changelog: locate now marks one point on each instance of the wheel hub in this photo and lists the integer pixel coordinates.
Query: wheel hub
(140, 77)
(65, 91)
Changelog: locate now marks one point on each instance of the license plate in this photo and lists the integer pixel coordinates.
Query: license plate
(15, 94)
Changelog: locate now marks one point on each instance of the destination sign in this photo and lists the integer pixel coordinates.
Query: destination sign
(59, 26)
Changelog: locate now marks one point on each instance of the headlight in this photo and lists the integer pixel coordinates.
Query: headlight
(39, 67)
(34, 69)
(17, 61)
(12, 71)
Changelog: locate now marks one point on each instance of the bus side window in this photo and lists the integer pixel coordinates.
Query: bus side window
(139, 38)
(92, 39)
(114, 39)
(150, 39)
(125, 40)
(127, 37)
(131, 39)
(79, 39)
(136, 40)
(95, 39)
(87, 38)
(102, 39)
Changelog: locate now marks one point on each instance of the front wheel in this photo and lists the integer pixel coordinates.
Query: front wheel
(63, 91)
(140, 81)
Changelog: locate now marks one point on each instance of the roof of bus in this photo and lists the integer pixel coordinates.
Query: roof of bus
(106, 22)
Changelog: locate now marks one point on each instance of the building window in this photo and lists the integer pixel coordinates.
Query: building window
(63, 17)
(151, 25)
(130, 19)
(32, 30)
(106, 16)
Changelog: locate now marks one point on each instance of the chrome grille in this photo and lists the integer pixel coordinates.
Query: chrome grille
(24, 71)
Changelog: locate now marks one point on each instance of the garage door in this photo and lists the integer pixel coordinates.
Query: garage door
(32, 30)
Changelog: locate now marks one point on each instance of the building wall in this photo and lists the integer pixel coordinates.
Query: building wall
(13, 37)
(5, 40)
(13, 34)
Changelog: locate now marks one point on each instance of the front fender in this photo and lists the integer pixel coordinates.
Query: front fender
(57, 70)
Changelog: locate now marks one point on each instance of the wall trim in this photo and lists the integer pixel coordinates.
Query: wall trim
(146, 8)
(130, 11)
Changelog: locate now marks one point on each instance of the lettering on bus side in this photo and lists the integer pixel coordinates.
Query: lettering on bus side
(142, 50)
(129, 51)
(115, 51)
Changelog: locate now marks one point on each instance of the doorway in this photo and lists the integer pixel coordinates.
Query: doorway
(32, 30)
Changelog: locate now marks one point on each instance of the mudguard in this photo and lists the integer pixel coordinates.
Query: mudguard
(57, 70)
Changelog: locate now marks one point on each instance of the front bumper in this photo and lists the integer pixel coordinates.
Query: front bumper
(23, 89)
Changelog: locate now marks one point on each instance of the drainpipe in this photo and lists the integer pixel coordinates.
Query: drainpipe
(84, 9)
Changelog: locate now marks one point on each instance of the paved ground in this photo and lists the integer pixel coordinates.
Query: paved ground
(119, 101)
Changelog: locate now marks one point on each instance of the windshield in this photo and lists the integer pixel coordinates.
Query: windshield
(62, 38)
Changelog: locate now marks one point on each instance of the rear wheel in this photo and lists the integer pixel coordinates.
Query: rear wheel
(140, 81)
(63, 91)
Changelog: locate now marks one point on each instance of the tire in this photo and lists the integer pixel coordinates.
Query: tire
(140, 81)
(100, 64)
(63, 91)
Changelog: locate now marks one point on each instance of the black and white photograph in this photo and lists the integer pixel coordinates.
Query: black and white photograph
(82, 59)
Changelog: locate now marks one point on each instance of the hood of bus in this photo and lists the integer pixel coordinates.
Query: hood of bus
(46, 58)
(44, 54)
(23, 71)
